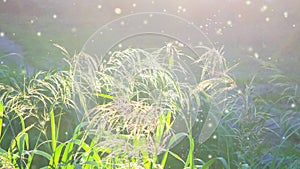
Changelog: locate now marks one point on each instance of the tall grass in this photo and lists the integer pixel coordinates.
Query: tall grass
(26, 103)
(257, 130)
(138, 109)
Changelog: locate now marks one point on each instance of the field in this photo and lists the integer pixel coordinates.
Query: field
(230, 104)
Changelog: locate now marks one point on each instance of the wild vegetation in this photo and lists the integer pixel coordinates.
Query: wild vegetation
(122, 112)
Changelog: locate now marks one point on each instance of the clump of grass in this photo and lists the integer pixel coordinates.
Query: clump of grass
(27, 102)
(136, 106)
(258, 129)
(134, 89)
(123, 96)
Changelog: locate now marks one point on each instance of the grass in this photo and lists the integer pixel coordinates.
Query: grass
(40, 48)
(123, 113)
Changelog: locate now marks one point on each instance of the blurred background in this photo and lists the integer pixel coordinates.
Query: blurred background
(248, 29)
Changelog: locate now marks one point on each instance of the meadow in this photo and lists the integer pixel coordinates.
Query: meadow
(74, 111)
(129, 128)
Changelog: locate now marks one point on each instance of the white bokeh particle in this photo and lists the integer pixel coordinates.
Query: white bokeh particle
(99, 6)
(74, 29)
(263, 8)
(118, 11)
(229, 23)
(248, 2)
(2, 34)
(54, 16)
(286, 14)
(240, 92)
(39, 33)
(219, 31)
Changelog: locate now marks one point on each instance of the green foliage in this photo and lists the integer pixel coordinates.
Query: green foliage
(39, 127)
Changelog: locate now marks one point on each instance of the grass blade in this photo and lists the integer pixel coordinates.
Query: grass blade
(42, 153)
(190, 159)
(53, 130)
(1, 116)
(164, 160)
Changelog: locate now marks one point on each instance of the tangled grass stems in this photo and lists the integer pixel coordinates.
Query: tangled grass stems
(131, 109)
(124, 94)
(27, 102)
(134, 110)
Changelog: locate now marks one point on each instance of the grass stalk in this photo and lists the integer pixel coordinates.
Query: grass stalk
(1, 117)
(53, 130)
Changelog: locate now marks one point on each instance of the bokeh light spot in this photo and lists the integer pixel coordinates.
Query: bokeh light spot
(229, 23)
(263, 8)
(285, 14)
(118, 11)
(293, 105)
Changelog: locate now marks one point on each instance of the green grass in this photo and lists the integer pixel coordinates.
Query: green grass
(122, 125)
(40, 51)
